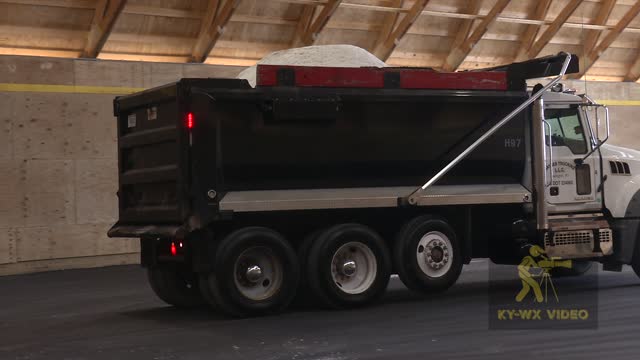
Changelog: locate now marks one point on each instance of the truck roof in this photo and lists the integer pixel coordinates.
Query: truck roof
(561, 97)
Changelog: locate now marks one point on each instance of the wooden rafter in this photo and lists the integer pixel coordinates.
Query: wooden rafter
(75, 4)
(634, 71)
(162, 12)
(459, 53)
(529, 36)
(306, 16)
(591, 37)
(552, 30)
(213, 25)
(473, 7)
(105, 16)
(311, 34)
(383, 50)
(190, 14)
(612, 35)
(389, 23)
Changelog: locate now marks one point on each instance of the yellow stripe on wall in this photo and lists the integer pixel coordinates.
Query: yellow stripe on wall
(619, 102)
(117, 90)
(73, 89)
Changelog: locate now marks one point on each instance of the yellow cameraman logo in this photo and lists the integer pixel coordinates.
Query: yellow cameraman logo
(536, 274)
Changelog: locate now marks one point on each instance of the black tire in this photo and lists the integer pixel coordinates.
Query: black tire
(635, 261)
(578, 267)
(175, 286)
(407, 247)
(222, 287)
(304, 295)
(207, 295)
(319, 276)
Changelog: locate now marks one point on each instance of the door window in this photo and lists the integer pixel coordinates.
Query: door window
(566, 129)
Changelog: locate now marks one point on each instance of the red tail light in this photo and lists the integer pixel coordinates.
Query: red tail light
(190, 120)
(174, 251)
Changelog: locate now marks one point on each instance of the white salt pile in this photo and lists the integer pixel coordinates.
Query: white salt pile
(322, 55)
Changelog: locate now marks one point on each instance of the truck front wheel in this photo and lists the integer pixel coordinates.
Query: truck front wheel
(635, 260)
(175, 286)
(255, 272)
(578, 267)
(427, 255)
(348, 265)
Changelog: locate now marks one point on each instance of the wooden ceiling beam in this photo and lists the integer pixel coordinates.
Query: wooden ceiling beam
(612, 35)
(314, 29)
(145, 10)
(459, 53)
(252, 19)
(384, 49)
(634, 72)
(104, 17)
(552, 30)
(306, 16)
(198, 53)
(213, 25)
(178, 13)
(384, 7)
(162, 12)
(464, 29)
(389, 24)
(591, 37)
(529, 36)
(74, 4)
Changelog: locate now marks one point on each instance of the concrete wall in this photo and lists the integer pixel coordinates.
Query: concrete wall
(58, 154)
(623, 100)
(58, 158)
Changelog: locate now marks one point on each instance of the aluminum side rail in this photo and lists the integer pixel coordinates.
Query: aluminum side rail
(378, 197)
(413, 198)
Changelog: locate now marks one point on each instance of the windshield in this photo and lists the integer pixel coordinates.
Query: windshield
(566, 129)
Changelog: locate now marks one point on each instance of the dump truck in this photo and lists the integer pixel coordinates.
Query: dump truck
(321, 182)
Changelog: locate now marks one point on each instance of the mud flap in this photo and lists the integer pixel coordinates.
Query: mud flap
(625, 234)
(148, 231)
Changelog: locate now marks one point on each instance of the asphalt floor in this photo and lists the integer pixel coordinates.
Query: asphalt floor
(111, 313)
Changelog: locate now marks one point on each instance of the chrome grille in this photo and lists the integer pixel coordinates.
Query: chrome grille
(578, 243)
(577, 237)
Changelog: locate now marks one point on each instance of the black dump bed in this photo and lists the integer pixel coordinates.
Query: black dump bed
(184, 142)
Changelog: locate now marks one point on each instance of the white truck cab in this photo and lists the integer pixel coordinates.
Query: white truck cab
(586, 178)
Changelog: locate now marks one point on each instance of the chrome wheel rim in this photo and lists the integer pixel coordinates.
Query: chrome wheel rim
(434, 254)
(258, 273)
(354, 268)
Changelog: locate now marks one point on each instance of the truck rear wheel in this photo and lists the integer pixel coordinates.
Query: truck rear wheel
(348, 265)
(427, 255)
(304, 295)
(255, 272)
(175, 286)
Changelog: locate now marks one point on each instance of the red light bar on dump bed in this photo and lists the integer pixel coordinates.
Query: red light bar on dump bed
(379, 78)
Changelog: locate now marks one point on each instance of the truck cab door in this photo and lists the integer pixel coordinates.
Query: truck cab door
(572, 186)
